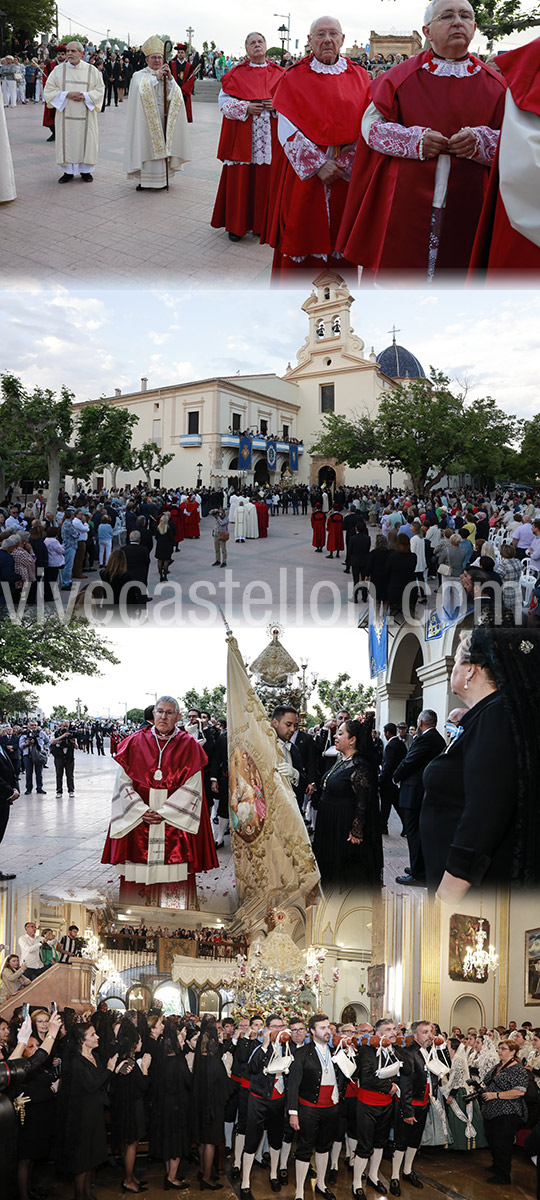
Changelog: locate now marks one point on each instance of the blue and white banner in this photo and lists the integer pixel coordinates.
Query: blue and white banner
(245, 453)
(271, 454)
(378, 642)
(293, 457)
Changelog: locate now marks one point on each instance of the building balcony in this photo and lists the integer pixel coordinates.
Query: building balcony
(232, 440)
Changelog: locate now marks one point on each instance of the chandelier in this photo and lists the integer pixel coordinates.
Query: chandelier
(101, 960)
(479, 961)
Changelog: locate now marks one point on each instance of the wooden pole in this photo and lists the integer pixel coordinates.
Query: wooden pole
(166, 50)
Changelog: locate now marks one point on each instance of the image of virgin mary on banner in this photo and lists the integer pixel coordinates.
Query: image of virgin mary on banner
(271, 454)
(244, 453)
(293, 457)
(273, 859)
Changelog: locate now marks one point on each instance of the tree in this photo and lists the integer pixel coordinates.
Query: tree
(498, 18)
(104, 440)
(352, 442)
(529, 456)
(46, 426)
(11, 423)
(13, 700)
(487, 432)
(340, 693)
(46, 652)
(148, 458)
(210, 700)
(26, 18)
(59, 713)
(136, 715)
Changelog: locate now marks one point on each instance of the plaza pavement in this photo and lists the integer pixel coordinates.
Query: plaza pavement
(106, 231)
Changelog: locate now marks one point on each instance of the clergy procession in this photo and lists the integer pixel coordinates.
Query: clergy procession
(428, 169)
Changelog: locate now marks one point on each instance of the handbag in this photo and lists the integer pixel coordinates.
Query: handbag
(223, 537)
(38, 756)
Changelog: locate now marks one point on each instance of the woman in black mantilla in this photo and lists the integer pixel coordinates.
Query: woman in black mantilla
(171, 1082)
(129, 1087)
(211, 1090)
(82, 1100)
(347, 842)
(479, 823)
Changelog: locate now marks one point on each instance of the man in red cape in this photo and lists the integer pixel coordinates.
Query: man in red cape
(508, 238)
(428, 139)
(177, 518)
(318, 525)
(247, 142)
(262, 517)
(320, 101)
(191, 516)
(49, 114)
(334, 531)
(160, 833)
(183, 72)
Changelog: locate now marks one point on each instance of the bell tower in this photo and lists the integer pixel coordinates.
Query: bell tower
(331, 341)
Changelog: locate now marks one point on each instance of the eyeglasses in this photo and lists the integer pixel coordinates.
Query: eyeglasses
(448, 17)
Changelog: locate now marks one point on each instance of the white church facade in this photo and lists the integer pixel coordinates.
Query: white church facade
(200, 422)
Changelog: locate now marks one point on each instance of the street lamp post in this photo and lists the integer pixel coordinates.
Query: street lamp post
(199, 476)
(391, 469)
(287, 18)
(283, 33)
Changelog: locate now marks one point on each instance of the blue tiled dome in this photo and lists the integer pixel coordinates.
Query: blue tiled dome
(399, 363)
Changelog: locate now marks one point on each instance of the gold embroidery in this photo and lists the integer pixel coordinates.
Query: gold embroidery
(148, 90)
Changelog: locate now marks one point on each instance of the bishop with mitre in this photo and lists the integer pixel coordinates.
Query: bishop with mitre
(157, 138)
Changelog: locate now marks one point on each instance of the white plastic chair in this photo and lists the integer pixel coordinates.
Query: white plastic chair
(528, 583)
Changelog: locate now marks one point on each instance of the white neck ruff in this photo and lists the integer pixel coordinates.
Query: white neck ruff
(336, 68)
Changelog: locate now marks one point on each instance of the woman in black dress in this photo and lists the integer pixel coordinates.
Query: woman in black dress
(37, 1133)
(348, 842)
(82, 1100)
(503, 1108)
(211, 1090)
(128, 1090)
(479, 820)
(400, 572)
(165, 540)
(171, 1081)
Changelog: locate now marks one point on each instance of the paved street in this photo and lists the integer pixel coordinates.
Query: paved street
(106, 231)
(55, 846)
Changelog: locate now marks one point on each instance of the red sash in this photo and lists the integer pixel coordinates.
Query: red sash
(420, 1103)
(376, 1099)
(325, 1098)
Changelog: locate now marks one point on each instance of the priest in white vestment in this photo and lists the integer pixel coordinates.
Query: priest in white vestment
(252, 523)
(239, 521)
(75, 89)
(153, 143)
(7, 178)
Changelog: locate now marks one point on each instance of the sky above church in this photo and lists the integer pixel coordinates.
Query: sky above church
(227, 25)
(97, 340)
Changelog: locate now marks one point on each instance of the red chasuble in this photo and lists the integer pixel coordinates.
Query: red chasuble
(386, 223)
(304, 215)
(262, 517)
(181, 759)
(184, 75)
(190, 511)
(335, 531)
(318, 525)
(242, 197)
(498, 246)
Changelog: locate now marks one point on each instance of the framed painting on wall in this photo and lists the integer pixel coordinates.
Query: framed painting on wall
(532, 966)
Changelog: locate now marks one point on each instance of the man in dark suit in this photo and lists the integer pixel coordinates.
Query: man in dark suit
(427, 745)
(315, 1085)
(138, 560)
(8, 794)
(305, 745)
(285, 721)
(412, 1106)
(394, 752)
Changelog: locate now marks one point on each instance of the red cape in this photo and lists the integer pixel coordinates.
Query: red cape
(334, 529)
(190, 512)
(182, 758)
(262, 517)
(177, 518)
(318, 525)
(498, 246)
(48, 113)
(244, 83)
(386, 222)
(328, 109)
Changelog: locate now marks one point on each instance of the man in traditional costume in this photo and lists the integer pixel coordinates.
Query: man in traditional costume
(318, 525)
(262, 517)
(49, 114)
(320, 101)
(75, 89)
(248, 139)
(184, 75)
(156, 144)
(334, 532)
(189, 510)
(160, 833)
(508, 237)
(428, 140)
